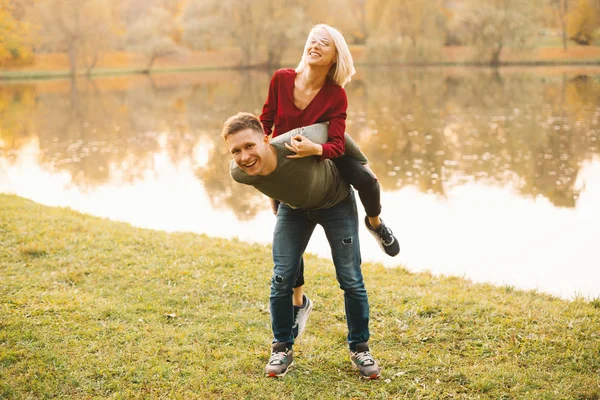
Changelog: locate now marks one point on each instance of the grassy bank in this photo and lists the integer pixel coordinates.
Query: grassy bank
(92, 309)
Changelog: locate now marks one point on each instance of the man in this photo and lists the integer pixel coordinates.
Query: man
(311, 192)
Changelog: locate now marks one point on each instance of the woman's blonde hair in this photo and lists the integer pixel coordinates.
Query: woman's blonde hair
(342, 70)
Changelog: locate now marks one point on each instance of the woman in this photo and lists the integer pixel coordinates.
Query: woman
(314, 92)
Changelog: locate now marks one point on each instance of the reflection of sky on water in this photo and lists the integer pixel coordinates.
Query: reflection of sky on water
(484, 233)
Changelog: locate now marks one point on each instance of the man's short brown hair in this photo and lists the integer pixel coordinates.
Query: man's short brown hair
(240, 122)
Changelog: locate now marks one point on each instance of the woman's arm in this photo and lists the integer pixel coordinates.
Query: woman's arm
(316, 135)
(267, 118)
(336, 142)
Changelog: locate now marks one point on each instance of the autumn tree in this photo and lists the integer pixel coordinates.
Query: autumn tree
(261, 29)
(82, 28)
(288, 25)
(15, 42)
(493, 26)
(155, 34)
(401, 30)
(561, 9)
(208, 26)
(348, 16)
(102, 33)
(245, 26)
(583, 22)
(218, 23)
(202, 26)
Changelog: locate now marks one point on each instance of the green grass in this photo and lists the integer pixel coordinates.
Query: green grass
(97, 309)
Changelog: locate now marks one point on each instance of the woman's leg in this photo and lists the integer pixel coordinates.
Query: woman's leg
(374, 221)
(298, 296)
(299, 285)
(365, 182)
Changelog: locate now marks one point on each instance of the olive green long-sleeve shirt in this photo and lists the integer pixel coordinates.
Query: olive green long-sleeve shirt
(306, 183)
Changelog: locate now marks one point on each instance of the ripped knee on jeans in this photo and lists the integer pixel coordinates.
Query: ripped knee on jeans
(347, 241)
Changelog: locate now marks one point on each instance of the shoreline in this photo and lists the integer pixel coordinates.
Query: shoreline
(30, 75)
(575, 296)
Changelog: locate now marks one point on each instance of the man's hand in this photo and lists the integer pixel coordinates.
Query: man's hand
(303, 147)
(274, 205)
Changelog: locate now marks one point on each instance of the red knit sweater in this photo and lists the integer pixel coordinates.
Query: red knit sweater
(329, 104)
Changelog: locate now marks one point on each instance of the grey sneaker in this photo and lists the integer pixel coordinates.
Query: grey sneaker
(364, 362)
(301, 315)
(281, 360)
(385, 238)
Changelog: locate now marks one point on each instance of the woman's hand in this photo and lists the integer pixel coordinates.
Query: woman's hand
(303, 147)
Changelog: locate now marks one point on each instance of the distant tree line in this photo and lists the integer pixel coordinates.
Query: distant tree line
(390, 30)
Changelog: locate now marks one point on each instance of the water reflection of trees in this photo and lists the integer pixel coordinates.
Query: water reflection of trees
(424, 128)
(94, 128)
(209, 108)
(532, 131)
(16, 103)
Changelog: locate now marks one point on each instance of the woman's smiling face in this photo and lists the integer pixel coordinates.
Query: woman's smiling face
(320, 49)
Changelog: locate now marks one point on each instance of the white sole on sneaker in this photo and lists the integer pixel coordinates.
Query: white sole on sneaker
(366, 378)
(389, 250)
(306, 312)
(281, 375)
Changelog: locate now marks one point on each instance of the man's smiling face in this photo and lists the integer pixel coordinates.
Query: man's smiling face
(250, 150)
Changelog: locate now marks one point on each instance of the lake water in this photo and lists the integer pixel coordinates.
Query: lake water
(494, 176)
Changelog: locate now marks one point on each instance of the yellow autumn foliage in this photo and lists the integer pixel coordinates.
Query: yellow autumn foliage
(15, 47)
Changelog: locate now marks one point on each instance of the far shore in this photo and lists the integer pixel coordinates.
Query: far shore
(56, 65)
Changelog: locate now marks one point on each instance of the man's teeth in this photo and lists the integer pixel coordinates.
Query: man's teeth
(251, 164)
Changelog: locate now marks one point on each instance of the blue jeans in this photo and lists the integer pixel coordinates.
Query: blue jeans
(293, 230)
